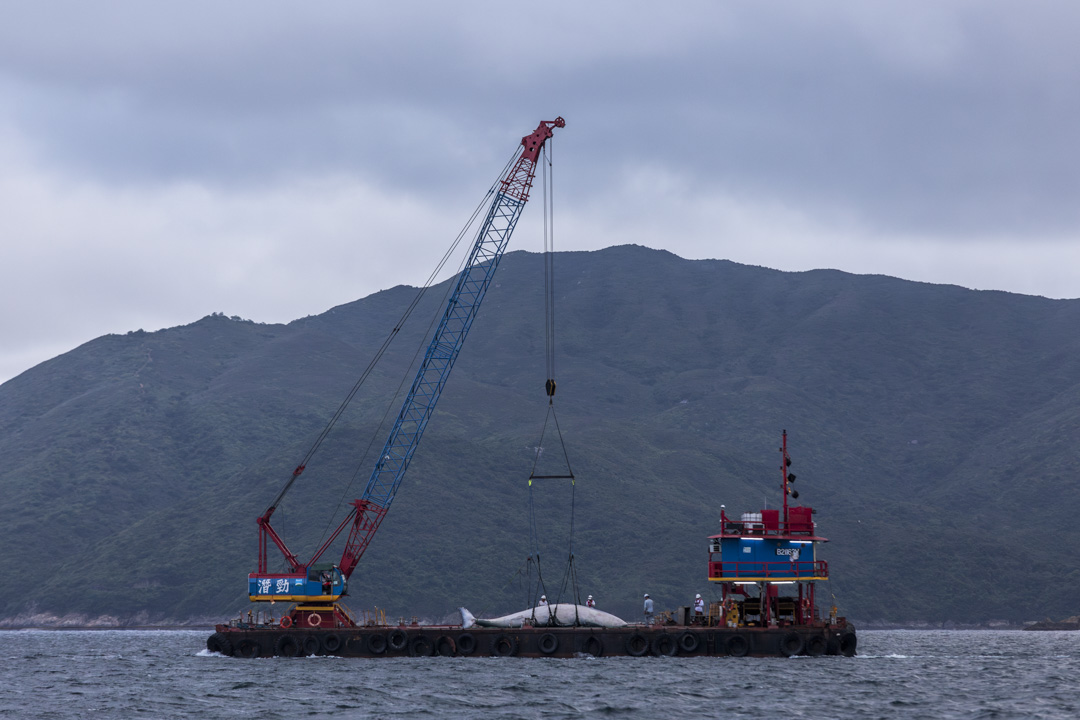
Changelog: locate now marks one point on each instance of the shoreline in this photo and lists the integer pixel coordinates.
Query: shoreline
(61, 628)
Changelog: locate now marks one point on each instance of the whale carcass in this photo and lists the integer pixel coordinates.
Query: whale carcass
(559, 614)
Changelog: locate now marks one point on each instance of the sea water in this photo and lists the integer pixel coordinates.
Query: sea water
(897, 674)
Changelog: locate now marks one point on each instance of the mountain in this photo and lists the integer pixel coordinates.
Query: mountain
(933, 429)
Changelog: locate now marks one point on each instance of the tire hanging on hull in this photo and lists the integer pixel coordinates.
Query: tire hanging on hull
(286, 646)
(848, 643)
(397, 639)
(504, 645)
(637, 645)
(548, 643)
(791, 644)
(737, 646)
(219, 643)
(466, 643)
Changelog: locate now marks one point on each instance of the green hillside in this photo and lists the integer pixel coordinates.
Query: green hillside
(932, 427)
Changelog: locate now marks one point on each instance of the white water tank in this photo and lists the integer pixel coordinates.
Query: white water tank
(752, 521)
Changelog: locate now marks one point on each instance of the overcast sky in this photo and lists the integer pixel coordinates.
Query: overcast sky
(162, 161)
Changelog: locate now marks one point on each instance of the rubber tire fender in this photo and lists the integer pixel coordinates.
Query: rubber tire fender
(249, 649)
(592, 645)
(548, 643)
(737, 646)
(816, 646)
(376, 643)
(219, 643)
(689, 642)
(331, 643)
(504, 645)
(443, 643)
(397, 639)
(466, 643)
(637, 645)
(664, 645)
(848, 643)
(792, 644)
(287, 646)
(310, 645)
(420, 646)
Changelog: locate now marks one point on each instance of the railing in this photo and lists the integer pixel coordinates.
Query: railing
(372, 618)
(757, 528)
(346, 613)
(773, 569)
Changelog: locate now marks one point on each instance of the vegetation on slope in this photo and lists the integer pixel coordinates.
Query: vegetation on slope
(933, 429)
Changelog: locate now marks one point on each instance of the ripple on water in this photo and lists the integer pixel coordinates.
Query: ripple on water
(899, 674)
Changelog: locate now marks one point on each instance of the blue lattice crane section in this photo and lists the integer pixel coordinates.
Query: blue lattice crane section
(443, 351)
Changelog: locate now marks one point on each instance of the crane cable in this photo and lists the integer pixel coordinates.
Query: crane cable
(484, 202)
(570, 574)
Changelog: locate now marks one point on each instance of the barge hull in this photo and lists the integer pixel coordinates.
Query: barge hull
(533, 642)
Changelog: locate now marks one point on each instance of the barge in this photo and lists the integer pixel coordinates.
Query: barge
(764, 564)
(534, 642)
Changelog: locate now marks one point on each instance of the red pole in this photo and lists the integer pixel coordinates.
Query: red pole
(783, 471)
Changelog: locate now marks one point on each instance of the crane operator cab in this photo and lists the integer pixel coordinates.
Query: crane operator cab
(330, 579)
(320, 582)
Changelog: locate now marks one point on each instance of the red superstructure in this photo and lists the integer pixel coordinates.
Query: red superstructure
(766, 563)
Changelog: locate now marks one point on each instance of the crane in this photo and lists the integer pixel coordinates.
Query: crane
(315, 586)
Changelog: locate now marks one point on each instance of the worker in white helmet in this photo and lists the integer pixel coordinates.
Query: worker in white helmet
(543, 601)
(648, 610)
(699, 607)
(590, 602)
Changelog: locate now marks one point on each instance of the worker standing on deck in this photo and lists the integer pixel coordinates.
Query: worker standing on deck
(699, 606)
(648, 610)
(590, 602)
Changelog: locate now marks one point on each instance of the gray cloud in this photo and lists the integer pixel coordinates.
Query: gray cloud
(934, 141)
(954, 116)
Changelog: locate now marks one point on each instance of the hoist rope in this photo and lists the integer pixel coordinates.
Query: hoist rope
(570, 574)
(549, 267)
(535, 541)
